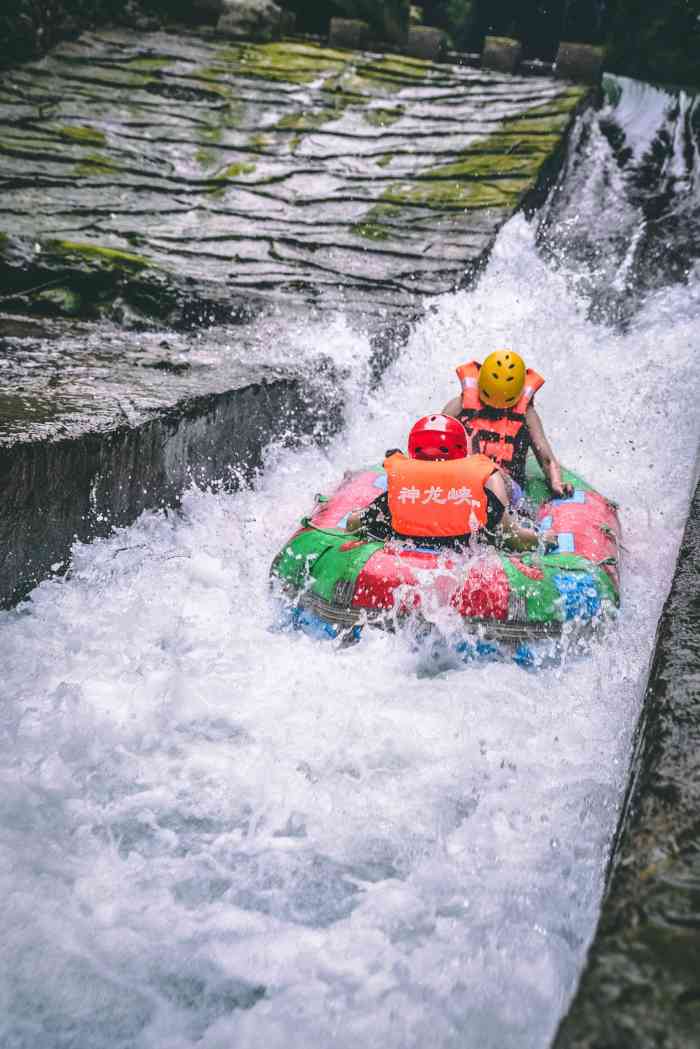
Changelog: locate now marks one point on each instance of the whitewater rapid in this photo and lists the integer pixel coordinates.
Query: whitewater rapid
(215, 832)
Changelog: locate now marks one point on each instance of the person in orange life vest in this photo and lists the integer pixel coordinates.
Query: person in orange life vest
(496, 406)
(443, 492)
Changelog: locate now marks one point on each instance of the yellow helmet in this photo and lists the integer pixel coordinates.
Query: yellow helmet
(501, 379)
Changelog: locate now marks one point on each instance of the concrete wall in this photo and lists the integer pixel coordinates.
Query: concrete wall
(54, 492)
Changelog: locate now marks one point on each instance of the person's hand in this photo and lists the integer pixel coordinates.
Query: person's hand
(561, 489)
(548, 540)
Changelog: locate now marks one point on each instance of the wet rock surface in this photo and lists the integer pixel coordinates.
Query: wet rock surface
(178, 167)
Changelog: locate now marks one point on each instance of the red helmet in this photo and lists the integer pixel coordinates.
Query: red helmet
(438, 437)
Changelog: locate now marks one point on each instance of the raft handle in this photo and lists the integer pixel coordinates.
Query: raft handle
(306, 522)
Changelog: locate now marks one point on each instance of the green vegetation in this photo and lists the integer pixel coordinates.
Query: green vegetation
(655, 42)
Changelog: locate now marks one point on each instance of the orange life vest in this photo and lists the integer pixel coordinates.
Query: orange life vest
(502, 432)
(434, 499)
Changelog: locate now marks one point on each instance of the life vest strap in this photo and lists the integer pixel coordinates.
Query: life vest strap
(493, 436)
(487, 412)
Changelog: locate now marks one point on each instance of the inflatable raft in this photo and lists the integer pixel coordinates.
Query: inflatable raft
(338, 582)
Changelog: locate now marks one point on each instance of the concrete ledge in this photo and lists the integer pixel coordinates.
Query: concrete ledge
(580, 62)
(54, 492)
(348, 32)
(501, 54)
(426, 42)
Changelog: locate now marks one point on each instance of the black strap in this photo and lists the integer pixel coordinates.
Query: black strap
(492, 436)
(492, 413)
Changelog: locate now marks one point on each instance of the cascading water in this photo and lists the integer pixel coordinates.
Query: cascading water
(216, 832)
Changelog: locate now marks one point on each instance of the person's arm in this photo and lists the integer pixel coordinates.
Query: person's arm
(544, 454)
(453, 407)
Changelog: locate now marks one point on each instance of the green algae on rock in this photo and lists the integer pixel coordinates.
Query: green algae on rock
(95, 254)
(85, 135)
(95, 164)
(493, 172)
(281, 62)
(383, 117)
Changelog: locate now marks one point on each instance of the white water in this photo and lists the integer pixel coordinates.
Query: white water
(194, 807)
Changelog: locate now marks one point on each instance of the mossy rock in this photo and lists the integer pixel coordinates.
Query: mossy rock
(105, 258)
(489, 165)
(287, 63)
(307, 121)
(85, 135)
(400, 66)
(450, 194)
(494, 172)
(375, 226)
(212, 134)
(208, 79)
(205, 157)
(15, 408)
(95, 164)
(260, 141)
(155, 63)
(383, 117)
(230, 173)
(236, 170)
(63, 301)
(370, 231)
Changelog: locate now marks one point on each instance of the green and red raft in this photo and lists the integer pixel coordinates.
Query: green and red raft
(339, 582)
